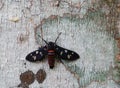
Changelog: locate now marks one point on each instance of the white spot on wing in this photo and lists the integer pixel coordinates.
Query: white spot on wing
(30, 54)
(72, 52)
(34, 57)
(66, 51)
(41, 54)
(68, 56)
(61, 53)
(37, 52)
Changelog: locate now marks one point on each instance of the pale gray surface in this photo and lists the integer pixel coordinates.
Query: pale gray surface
(83, 35)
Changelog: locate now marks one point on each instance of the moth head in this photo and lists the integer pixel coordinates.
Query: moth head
(51, 45)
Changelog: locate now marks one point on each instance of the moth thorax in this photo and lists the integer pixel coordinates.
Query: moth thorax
(50, 45)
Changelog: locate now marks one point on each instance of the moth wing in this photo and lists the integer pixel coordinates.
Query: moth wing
(65, 53)
(37, 55)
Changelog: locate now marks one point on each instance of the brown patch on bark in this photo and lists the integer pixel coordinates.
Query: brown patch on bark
(27, 77)
(40, 76)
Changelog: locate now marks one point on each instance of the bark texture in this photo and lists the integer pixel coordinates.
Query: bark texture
(89, 27)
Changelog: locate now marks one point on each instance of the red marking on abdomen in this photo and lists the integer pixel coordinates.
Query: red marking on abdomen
(51, 51)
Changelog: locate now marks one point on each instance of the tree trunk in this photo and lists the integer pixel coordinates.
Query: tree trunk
(88, 27)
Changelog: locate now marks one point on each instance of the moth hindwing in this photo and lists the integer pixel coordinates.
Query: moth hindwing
(37, 55)
(65, 53)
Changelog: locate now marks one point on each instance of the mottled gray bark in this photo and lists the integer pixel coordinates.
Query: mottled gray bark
(89, 27)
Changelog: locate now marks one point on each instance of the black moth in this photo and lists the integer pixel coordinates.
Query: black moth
(51, 50)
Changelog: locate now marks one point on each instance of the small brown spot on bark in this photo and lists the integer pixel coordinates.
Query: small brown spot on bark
(118, 42)
(53, 17)
(22, 38)
(118, 57)
(40, 76)
(118, 7)
(43, 21)
(77, 5)
(27, 77)
(57, 3)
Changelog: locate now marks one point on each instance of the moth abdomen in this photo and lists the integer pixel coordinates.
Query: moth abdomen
(51, 58)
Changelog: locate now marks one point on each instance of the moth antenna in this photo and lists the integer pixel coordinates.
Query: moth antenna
(58, 37)
(43, 39)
